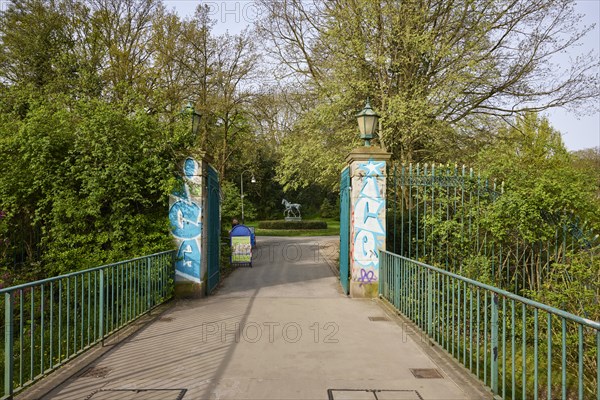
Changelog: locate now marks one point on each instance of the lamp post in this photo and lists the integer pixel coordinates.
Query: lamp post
(189, 109)
(367, 123)
(252, 180)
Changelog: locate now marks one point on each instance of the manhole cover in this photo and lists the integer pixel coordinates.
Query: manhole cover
(379, 319)
(372, 394)
(95, 372)
(137, 394)
(426, 373)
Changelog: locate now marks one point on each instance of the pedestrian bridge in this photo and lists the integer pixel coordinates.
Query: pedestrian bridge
(283, 329)
(280, 330)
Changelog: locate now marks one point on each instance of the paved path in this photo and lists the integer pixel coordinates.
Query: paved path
(279, 330)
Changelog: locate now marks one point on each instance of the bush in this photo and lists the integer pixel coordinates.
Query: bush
(328, 210)
(292, 225)
(87, 182)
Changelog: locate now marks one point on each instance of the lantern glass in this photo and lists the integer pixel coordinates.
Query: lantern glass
(367, 123)
(195, 122)
(370, 122)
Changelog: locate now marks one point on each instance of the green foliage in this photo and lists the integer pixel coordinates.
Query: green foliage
(36, 43)
(588, 162)
(328, 210)
(314, 152)
(91, 131)
(573, 286)
(119, 175)
(442, 75)
(278, 224)
(540, 182)
(511, 233)
(94, 176)
(231, 206)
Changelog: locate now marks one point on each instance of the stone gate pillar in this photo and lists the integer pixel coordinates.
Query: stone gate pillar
(367, 218)
(187, 206)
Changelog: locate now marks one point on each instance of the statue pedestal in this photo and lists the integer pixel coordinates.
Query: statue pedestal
(293, 219)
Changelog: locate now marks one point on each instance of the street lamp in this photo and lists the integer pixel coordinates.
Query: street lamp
(189, 109)
(367, 123)
(252, 180)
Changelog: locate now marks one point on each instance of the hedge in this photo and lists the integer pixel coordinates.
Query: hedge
(292, 224)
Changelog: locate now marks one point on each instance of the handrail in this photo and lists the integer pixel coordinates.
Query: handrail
(50, 321)
(70, 274)
(519, 347)
(542, 306)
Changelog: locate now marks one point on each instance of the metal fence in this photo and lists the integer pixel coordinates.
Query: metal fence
(520, 348)
(440, 215)
(48, 322)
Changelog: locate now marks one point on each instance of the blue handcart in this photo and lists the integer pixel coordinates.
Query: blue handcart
(242, 241)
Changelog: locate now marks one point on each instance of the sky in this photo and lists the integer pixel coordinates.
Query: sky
(578, 132)
(584, 132)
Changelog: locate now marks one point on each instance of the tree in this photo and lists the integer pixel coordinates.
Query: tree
(91, 128)
(34, 39)
(236, 62)
(123, 29)
(171, 78)
(214, 72)
(232, 205)
(588, 161)
(95, 178)
(539, 176)
(436, 71)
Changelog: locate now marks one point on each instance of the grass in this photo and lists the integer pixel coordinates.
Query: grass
(333, 229)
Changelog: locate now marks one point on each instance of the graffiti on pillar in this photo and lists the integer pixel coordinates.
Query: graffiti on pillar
(369, 232)
(185, 215)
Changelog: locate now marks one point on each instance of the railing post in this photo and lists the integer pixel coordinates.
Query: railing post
(148, 279)
(101, 301)
(494, 343)
(429, 302)
(382, 272)
(598, 363)
(8, 344)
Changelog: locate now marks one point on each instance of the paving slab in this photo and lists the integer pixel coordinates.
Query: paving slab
(279, 330)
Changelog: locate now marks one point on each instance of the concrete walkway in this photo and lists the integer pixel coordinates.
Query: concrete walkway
(279, 330)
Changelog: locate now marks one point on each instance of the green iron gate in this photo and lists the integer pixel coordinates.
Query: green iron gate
(345, 229)
(213, 223)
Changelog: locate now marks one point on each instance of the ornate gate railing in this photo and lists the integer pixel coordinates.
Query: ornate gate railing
(439, 214)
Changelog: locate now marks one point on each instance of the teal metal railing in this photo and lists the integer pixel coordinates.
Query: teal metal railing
(520, 348)
(46, 323)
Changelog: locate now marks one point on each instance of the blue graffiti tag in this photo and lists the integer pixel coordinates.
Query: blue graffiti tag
(185, 216)
(369, 231)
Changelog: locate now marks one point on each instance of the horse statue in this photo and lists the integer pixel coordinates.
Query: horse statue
(289, 209)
